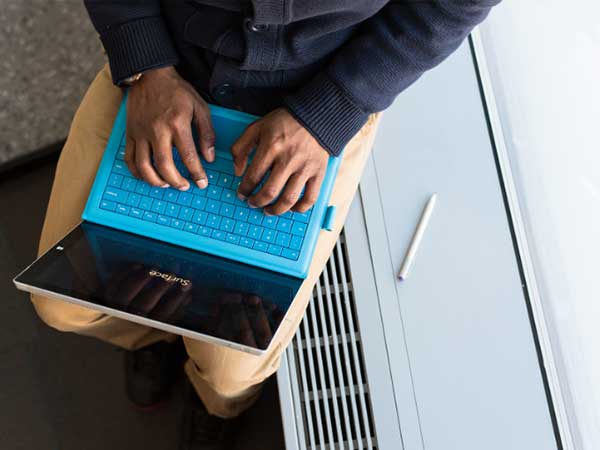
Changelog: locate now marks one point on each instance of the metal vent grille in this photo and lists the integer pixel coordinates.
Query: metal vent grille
(328, 379)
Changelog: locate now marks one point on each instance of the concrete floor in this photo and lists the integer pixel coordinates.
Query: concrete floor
(63, 391)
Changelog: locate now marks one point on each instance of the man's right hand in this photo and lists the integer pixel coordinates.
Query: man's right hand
(160, 111)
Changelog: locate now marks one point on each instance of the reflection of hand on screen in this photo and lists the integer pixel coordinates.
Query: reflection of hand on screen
(243, 318)
(147, 292)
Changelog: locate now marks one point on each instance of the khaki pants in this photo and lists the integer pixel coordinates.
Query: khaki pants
(227, 381)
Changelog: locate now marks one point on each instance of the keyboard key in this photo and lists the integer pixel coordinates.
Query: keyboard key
(115, 180)
(270, 222)
(246, 242)
(218, 234)
(190, 227)
(232, 238)
(157, 192)
(142, 188)
(200, 217)
(268, 235)
(228, 196)
(108, 205)
(121, 168)
(255, 232)
(172, 210)
(121, 153)
(133, 199)
(214, 192)
(296, 243)
(227, 224)
(176, 223)
(145, 203)
(241, 213)
(136, 212)
(283, 239)
(129, 184)
(302, 217)
(186, 213)
(286, 215)
(198, 202)
(226, 210)
(171, 195)
(274, 249)
(298, 228)
(241, 228)
(199, 192)
(212, 206)
(185, 198)
(225, 180)
(163, 220)
(122, 209)
(203, 231)
(149, 216)
(213, 221)
(115, 194)
(284, 224)
(236, 183)
(212, 176)
(158, 206)
(255, 217)
(290, 254)
(260, 246)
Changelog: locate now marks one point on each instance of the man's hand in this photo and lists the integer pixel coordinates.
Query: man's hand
(293, 156)
(160, 110)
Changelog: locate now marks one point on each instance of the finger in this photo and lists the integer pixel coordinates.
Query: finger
(311, 193)
(206, 132)
(165, 165)
(143, 161)
(242, 148)
(259, 166)
(189, 156)
(289, 196)
(272, 188)
(130, 157)
(259, 321)
(147, 299)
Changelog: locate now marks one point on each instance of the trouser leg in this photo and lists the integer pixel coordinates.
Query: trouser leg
(75, 174)
(229, 381)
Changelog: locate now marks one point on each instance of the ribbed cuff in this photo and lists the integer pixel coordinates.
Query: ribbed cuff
(327, 113)
(137, 46)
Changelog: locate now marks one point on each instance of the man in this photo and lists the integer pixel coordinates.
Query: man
(318, 71)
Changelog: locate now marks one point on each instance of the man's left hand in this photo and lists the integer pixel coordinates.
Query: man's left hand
(294, 157)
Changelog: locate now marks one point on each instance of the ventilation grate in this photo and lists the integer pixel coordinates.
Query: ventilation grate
(325, 360)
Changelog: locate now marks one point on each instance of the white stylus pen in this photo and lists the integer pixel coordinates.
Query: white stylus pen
(416, 239)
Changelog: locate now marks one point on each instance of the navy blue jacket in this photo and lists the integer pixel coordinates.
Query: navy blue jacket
(330, 62)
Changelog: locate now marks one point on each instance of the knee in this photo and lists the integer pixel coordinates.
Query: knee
(63, 316)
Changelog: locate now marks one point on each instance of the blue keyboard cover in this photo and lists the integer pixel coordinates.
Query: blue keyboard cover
(213, 220)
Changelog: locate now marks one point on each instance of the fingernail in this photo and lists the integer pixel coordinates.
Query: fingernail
(164, 186)
(184, 188)
(241, 196)
(202, 183)
(251, 205)
(211, 153)
(266, 213)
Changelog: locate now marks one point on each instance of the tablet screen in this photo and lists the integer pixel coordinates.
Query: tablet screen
(184, 288)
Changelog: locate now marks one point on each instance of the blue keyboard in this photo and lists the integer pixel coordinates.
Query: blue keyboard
(214, 212)
(212, 220)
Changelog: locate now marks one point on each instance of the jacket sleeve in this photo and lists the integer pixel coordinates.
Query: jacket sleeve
(133, 34)
(390, 51)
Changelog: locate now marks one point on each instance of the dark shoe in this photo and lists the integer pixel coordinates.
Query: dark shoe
(150, 372)
(203, 431)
